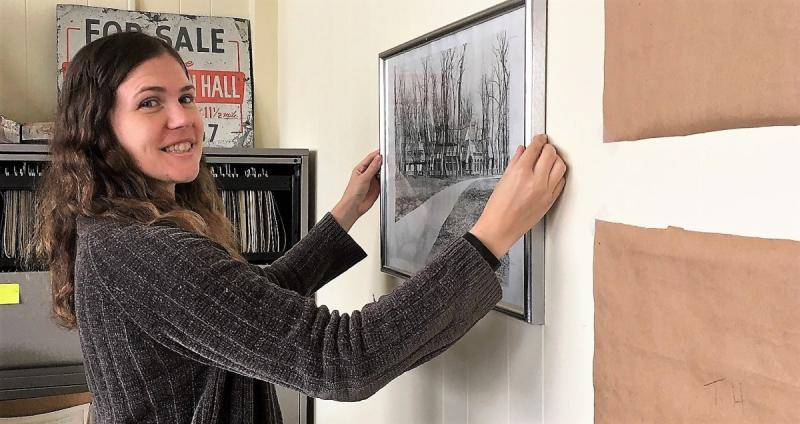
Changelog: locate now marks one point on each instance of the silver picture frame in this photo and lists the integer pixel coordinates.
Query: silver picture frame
(414, 182)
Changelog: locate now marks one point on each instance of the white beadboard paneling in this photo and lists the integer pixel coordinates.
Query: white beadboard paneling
(408, 399)
(196, 7)
(114, 4)
(164, 6)
(476, 374)
(40, 42)
(13, 60)
(235, 9)
(264, 28)
(405, 400)
(488, 376)
(455, 396)
(524, 372)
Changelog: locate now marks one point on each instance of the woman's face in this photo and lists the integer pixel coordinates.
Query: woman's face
(157, 122)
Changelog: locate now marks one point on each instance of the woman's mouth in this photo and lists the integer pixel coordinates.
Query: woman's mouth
(178, 148)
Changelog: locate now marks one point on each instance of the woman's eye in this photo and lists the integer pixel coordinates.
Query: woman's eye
(149, 103)
(187, 98)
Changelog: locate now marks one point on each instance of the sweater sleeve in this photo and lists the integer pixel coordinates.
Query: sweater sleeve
(319, 257)
(188, 294)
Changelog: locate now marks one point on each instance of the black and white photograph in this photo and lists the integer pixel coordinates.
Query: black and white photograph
(454, 111)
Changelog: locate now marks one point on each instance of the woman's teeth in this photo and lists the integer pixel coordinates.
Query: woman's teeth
(179, 148)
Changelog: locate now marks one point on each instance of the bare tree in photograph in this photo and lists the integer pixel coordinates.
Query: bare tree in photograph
(400, 120)
(487, 125)
(447, 127)
(501, 77)
(492, 142)
(448, 115)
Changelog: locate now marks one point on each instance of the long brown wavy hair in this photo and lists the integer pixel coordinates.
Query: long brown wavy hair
(91, 175)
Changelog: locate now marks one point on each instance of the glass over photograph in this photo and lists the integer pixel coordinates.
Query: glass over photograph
(454, 110)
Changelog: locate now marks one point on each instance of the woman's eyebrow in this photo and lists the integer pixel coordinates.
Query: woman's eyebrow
(160, 89)
(151, 88)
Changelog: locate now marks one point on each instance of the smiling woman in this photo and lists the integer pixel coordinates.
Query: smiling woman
(175, 326)
(157, 122)
(126, 100)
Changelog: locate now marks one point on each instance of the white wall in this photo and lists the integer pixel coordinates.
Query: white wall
(575, 126)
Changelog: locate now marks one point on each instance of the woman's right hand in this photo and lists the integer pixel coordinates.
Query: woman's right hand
(530, 185)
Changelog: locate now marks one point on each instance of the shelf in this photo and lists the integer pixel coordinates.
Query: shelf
(262, 258)
(12, 265)
(276, 183)
(12, 182)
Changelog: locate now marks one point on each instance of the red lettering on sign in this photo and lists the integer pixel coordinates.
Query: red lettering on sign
(227, 115)
(65, 65)
(218, 86)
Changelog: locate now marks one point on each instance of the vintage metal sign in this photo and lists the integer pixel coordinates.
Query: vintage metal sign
(216, 51)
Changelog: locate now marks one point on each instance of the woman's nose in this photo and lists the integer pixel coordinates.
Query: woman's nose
(179, 115)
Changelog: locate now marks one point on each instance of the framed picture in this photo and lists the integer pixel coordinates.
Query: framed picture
(454, 105)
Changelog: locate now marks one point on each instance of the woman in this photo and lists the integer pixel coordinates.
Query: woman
(175, 326)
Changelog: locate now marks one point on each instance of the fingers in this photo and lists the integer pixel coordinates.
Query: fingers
(517, 155)
(374, 192)
(531, 154)
(559, 188)
(364, 164)
(557, 172)
(373, 167)
(546, 162)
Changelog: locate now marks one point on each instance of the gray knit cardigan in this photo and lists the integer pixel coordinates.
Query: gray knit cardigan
(173, 330)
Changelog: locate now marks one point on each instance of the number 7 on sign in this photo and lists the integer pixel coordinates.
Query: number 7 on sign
(214, 132)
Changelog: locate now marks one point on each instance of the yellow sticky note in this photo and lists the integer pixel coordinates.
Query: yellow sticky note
(9, 294)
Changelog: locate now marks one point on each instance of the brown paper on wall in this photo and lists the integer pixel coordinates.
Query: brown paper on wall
(677, 67)
(695, 327)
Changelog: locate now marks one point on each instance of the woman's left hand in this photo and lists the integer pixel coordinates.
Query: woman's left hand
(361, 192)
